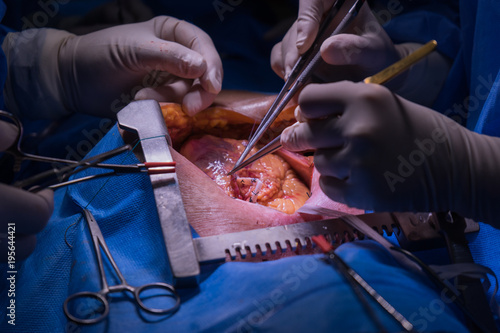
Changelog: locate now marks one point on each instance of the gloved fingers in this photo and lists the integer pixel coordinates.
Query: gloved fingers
(333, 188)
(332, 162)
(314, 134)
(328, 124)
(197, 99)
(171, 57)
(292, 137)
(193, 97)
(285, 59)
(29, 211)
(285, 53)
(299, 37)
(323, 100)
(277, 60)
(308, 21)
(8, 135)
(297, 113)
(211, 81)
(349, 49)
(24, 246)
(290, 53)
(172, 92)
(192, 37)
(365, 44)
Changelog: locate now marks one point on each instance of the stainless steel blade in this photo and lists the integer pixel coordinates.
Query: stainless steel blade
(145, 118)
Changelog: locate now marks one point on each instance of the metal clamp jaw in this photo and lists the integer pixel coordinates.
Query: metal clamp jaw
(145, 119)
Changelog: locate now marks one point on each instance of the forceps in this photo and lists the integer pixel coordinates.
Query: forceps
(73, 167)
(337, 19)
(101, 295)
(379, 78)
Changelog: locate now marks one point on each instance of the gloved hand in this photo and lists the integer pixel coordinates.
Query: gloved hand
(28, 212)
(55, 72)
(378, 151)
(363, 50)
(364, 44)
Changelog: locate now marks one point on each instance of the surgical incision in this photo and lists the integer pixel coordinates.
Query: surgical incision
(270, 181)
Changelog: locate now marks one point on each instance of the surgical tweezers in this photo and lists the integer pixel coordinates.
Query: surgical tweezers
(72, 167)
(379, 78)
(337, 19)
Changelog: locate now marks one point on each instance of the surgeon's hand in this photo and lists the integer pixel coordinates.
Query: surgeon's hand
(27, 213)
(378, 151)
(361, 51)
(99, 73)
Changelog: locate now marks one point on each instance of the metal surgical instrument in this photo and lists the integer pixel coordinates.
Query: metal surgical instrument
(101, 295)
(357, 282)
(340, 15)
(72, 167)
(379, 78)
(145, 119)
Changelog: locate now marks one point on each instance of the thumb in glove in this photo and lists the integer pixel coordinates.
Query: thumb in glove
(23, 213)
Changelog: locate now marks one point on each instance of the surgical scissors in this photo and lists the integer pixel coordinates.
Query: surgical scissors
(379, 78)
(101, 295)
(72, 166)
(333, 24)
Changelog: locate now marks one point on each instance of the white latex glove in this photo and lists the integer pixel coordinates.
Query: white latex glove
(378, 151)
(363, 50)
(54, 72)
(27, 211)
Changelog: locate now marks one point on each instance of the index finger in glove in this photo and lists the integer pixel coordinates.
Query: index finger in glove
(173, 91)
(299, 37)
(335, 189)
(197, 99)
(323, 100)
(30, 212)
(322, 105)
(193, 38)
(309, 18)
(277, 60)
(284, 54)
(170, 57)
(8, 135)
(312, 135)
